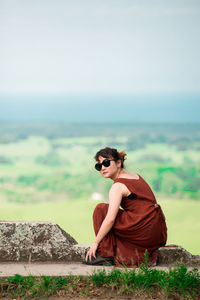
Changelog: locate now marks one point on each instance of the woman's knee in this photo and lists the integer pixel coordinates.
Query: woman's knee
(101, 209)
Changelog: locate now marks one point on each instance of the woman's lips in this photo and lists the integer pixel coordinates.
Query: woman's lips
(104, 173)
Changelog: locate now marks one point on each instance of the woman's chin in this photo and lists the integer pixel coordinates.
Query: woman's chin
(106, 175)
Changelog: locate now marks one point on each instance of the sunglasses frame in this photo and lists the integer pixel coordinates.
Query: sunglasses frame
(99, 165)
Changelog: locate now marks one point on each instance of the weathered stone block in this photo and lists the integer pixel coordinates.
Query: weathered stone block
(173, 255)
(34, 241)
(79, 252)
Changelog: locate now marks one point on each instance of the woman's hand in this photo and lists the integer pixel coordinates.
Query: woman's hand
(92, 251)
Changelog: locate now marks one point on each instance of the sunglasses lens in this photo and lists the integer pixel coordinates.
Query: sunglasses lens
(98, 166)
(106, 163)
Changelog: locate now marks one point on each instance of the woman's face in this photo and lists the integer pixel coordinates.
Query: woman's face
(112, 170)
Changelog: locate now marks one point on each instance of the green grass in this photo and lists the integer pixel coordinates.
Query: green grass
(177, 283)
(59, 190)
(75, 217)
(183, 223)
(169, 172)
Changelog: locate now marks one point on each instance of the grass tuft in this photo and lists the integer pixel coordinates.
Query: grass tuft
(177, 283)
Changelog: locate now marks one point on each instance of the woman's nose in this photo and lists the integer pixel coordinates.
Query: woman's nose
(103, 168)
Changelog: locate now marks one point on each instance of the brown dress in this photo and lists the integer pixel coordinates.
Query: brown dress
(140, 225)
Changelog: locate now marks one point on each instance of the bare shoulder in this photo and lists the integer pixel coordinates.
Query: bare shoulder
(119, 188)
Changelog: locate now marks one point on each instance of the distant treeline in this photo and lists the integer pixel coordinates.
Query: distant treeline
(138, 134)
(54, 161)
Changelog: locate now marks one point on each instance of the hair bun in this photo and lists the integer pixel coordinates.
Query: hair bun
(122, 155)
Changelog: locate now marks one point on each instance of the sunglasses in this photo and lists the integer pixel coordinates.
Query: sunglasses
(105, 163)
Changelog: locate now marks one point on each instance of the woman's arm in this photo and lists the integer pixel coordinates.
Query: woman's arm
(115, 196)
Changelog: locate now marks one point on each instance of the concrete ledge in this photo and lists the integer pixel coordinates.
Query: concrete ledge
(57, 269)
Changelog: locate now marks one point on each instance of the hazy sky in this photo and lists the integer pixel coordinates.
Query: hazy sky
(99, 46)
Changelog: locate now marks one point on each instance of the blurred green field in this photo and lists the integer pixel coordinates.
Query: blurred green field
(54, 180)
(75, 217)
(38, 169)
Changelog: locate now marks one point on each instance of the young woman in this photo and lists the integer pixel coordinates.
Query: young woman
(123, 235)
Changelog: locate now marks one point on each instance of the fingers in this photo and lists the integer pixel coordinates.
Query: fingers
(86, 258)
(90, 253)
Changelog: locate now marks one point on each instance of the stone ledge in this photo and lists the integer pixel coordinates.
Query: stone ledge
(172, 255)
(169, 255)
(47, 242)
(34, 241)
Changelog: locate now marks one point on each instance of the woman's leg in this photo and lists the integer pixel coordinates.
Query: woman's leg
(107, 245)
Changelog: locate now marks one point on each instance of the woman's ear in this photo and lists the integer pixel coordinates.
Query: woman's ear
(119, 163)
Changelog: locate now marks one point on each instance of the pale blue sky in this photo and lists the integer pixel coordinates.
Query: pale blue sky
(99, 46)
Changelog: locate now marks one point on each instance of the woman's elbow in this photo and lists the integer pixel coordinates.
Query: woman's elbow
(110, 220)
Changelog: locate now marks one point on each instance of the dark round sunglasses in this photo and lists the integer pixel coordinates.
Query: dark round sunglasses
(105, 163)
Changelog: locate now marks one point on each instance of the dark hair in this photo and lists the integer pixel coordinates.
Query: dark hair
(111, 153)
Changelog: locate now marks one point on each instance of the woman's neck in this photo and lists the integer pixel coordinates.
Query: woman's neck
(118, 174)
